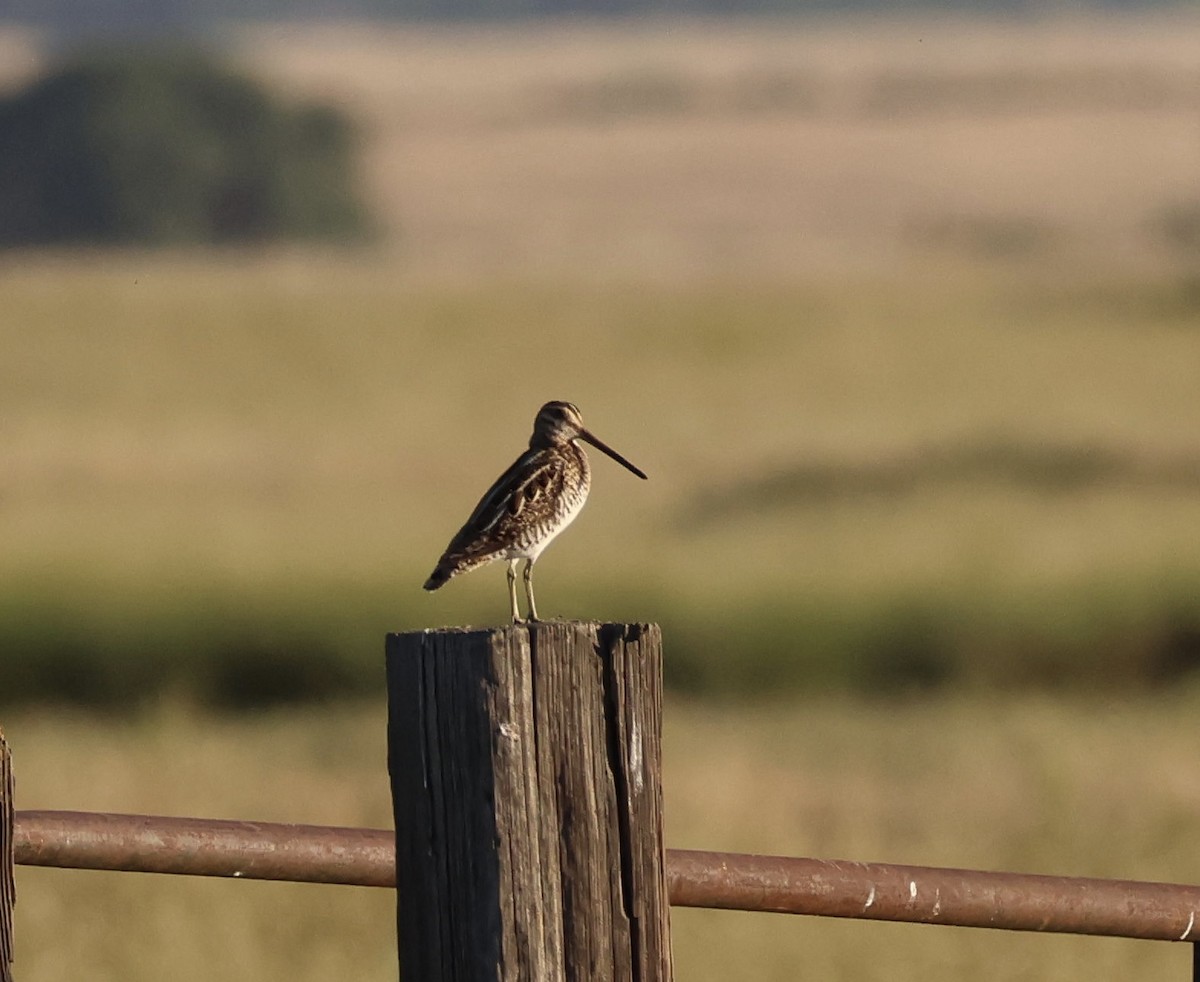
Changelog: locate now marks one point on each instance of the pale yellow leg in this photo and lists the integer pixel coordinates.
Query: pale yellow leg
(529, 589)
(512, 590)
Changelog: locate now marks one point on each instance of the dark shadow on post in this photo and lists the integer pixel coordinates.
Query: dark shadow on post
(526, 782)
(447, 866)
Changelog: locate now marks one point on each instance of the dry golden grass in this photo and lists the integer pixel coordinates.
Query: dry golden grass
(684, 149)
(195, 425)
(1076, 787)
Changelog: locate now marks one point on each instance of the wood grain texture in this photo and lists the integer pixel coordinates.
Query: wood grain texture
(526, 777)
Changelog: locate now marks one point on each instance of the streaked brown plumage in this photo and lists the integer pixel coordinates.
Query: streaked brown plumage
(530, 503)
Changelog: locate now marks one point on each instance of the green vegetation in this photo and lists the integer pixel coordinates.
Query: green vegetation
(227, 477)
(169, 147)
(1019, 782)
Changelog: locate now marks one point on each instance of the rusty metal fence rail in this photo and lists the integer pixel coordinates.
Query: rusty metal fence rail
(876, 891)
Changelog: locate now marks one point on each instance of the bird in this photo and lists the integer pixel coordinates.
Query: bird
(529, 504)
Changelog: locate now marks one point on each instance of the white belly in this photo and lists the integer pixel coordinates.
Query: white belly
(534, 549)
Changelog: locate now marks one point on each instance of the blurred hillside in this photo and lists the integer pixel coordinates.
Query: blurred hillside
(757, 149)
(900, 318)
(156, 18)
(742, 149)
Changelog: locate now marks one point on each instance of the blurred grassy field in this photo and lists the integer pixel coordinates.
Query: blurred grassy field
(1081, 787)
(899, 315)
(238, 471)
(708, 148)
(901, 319)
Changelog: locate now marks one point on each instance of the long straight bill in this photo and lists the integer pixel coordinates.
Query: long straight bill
(600, 445)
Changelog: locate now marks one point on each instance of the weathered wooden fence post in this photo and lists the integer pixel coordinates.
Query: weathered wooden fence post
(526, 785)
(8, 888)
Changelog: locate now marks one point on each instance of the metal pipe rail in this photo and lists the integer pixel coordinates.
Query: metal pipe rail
(829, 888)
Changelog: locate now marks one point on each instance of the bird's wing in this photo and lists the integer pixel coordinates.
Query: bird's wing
(529, 487)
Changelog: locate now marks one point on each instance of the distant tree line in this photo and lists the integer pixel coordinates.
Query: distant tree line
(169, 147)
(160, 17)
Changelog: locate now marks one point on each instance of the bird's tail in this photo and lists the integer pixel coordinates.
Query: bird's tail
(453, 563)
(440, 576)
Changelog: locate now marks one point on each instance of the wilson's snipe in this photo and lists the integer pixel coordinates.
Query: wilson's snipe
(531, 502)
